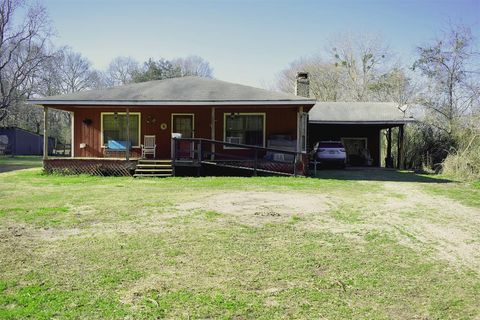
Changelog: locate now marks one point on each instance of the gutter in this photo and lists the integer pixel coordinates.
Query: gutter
(400, 121)
(102, 103)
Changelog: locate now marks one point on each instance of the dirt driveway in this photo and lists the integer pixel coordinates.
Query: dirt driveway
(396, 205)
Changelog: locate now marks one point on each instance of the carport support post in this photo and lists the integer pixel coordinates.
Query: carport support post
(45, 133)
(127, 152)
(400, 164)
(389, 148)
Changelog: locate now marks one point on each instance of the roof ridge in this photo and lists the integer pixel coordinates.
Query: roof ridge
(190, 88)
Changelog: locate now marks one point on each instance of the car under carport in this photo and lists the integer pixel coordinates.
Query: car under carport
(359, 125)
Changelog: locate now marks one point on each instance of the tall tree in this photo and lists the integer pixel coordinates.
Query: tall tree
(363, 58)
(324, 78)
(22, 49)
(194, 66)
(450, 66)
(120, 71)
(75, 72)
(157, 70)
(395, 86)
(356, 68)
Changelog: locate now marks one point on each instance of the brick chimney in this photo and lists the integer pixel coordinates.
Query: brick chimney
(302, 85)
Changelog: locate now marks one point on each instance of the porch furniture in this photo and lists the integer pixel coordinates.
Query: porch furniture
(115, 146)
(149, 146)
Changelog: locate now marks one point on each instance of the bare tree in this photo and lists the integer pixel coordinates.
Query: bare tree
(450, 66)
(120, 71)
(324, 78)
(75, 72)
(22, 49)
(395, 86)
(356, 70)
(362, 57)
(194, 66)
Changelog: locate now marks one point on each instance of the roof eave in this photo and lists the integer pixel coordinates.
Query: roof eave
(169, 102)
(399, 121)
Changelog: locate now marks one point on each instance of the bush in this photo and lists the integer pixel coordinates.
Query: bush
(426, 148)
(465, 162)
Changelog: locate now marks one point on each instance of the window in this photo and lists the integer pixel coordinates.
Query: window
(183, 123)
(245, 128)
(114, 127)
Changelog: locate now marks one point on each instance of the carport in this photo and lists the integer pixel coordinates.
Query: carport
(360, 126)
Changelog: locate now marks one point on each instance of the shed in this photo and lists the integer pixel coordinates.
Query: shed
(18, 141)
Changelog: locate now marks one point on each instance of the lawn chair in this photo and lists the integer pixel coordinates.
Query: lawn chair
(149, 146)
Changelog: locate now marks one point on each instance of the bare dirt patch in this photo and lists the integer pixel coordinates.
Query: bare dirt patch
(258, 207)
(450, 228)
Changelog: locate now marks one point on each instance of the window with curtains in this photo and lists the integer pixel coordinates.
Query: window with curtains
(245, 129)
(114, 127)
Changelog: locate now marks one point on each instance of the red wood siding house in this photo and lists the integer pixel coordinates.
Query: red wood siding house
(198, 108)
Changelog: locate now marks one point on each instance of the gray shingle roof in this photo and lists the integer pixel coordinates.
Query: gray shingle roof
(357, 112)
(186, 90)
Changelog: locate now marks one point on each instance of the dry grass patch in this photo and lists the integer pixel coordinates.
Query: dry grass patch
(246, 248)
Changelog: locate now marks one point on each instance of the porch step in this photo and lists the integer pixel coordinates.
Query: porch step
(142, 165)
(153, 168)
(139, 175)
(154, 161)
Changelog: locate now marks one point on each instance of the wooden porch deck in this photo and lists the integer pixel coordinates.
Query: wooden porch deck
(199, 154)
(91, 166)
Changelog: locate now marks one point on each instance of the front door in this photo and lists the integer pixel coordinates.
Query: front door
(183, 123)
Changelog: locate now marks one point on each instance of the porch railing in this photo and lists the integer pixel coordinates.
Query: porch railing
(199, 151)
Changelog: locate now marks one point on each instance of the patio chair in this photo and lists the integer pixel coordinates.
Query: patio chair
(149, 146)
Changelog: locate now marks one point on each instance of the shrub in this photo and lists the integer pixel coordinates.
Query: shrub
(464, 163)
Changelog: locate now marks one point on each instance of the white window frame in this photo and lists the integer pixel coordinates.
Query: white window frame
(122, 113)
(227, 114)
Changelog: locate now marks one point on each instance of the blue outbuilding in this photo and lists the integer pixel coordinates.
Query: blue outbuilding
(17, 141)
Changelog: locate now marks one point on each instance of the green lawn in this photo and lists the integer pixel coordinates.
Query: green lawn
(8, 163)
(351, 244)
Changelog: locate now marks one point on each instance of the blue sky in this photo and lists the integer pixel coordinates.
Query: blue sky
(247, 41)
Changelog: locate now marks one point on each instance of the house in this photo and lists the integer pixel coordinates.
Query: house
(184, 123)
(359, 125)
(17, 141)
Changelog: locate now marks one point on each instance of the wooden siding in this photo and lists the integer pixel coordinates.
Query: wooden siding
(279, 120)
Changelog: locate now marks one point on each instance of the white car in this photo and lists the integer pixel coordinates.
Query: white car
(329, 152)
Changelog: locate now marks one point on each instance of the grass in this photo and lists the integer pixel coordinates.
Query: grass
(467, 193)
(29, 161)
(91, 247)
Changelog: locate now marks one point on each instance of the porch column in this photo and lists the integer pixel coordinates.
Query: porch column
(389, 164)
(127, 152)
(45, 133)
(298, 158)
(299, 125)
(212, 128)
(72, 134)
(400, 160)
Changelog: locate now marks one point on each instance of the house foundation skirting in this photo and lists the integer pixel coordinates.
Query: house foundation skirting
(96, 167)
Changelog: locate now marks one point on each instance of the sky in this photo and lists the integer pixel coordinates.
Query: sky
(247, 42)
